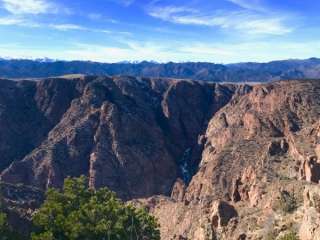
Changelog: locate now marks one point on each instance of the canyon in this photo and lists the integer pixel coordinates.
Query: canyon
(209, 160)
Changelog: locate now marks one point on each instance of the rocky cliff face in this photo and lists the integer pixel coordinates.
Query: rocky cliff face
(28, 111)
(136, 136)
(225, 161)
(260, 155)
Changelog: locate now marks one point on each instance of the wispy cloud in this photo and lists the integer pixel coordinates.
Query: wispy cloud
(22, 21)
(18, 21)
(8, 21)
(255, 5)
(67, 27)
(170, 13)
(100, 17)
(28, 6)
(75, 27)
(243, 20)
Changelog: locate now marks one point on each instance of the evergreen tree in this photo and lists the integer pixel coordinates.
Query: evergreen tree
(80, 213)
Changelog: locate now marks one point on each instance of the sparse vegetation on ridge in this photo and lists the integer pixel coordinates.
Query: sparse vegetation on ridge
(289, 236)
(287, 202)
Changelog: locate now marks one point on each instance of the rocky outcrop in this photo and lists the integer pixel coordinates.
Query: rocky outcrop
(254, 148)
(311, 170)
(310, 225)
(246, 188)
(278, 147)
(178, 190)
(221, 214)
(136, 136)
(256, 121)
(28, 111)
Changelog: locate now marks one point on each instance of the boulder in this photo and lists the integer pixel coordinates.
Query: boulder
(245, 188)
(310, 169)
(178, 190)
(311, 197)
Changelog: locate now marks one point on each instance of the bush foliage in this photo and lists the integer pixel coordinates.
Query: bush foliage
(289, 236)
(80, 213)
(288, 202)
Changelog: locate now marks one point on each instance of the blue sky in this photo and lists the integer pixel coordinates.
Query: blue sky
(220, 31)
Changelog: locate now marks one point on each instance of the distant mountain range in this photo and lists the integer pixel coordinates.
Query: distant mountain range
(240, 72)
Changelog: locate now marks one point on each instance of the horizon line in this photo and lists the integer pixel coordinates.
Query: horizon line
(52, 60)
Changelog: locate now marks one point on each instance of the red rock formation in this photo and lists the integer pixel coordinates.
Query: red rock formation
(125, 133)
(254, 148)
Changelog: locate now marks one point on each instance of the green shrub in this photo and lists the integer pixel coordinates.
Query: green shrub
(80, 213)
(287, 202)
(289, 236)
